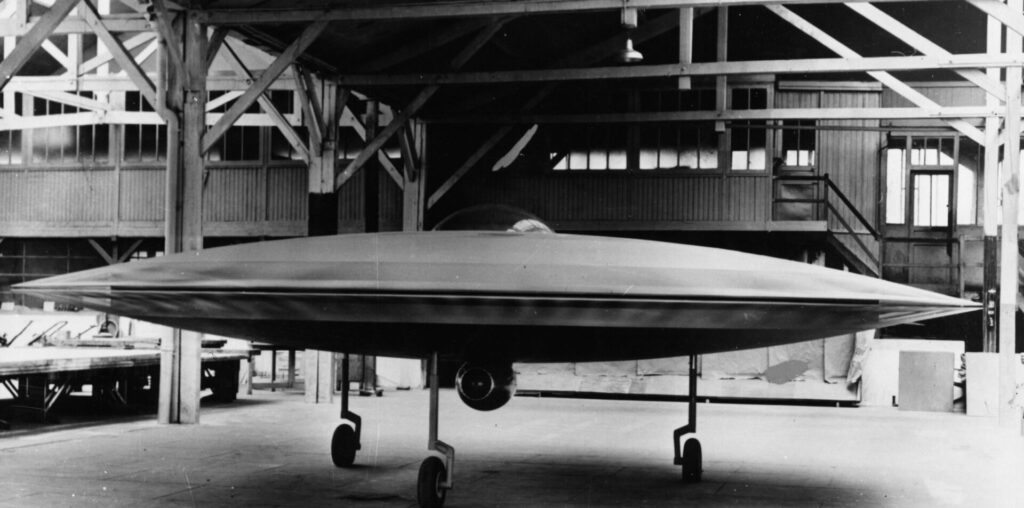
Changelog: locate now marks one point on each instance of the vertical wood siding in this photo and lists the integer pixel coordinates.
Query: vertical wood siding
(287, 194)
(639, 198)
(142, 194)
(68, 202)
(350, 204)
(851, 158)
(46, 195)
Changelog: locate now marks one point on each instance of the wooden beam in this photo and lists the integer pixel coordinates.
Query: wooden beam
(76, 25)
(102, 252)
(57, 54)
(120, 54)
(731, 115)
(885, 78)
(462, 8)
(749, 67)
(222, 100)
(929, 48)
(1009, 262)
(285, 59)
(312, 112)
(129, 44)
(1013, 20)
(163, 23)
(39, 32)
(72, 99)
(348, 118)
(129, 251)
(216, 40)
(115, 83)
(267, 105)
(685, 44)
(414, 106)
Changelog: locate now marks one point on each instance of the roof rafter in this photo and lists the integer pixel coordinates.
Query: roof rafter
(885, 78)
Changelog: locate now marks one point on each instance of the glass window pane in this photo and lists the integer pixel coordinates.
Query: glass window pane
(648, 158)
(577, 160)
(617, 159)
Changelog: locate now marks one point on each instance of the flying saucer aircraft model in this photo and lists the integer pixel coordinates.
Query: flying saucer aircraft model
(492, 298)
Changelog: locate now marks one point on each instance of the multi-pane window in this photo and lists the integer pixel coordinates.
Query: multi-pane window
(143, 143)
(596, 147)
(682, 145)
(66, 144)
(749, 138)
(798, 143)
(10, 141)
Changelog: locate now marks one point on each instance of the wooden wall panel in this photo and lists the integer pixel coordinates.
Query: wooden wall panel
(233, 195)
(287, 194)
(633, 198)
(851, 157)
(350, 204)
(142, 194)
(63, 196)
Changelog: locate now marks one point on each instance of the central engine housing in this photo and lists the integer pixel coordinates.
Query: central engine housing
(485, 386)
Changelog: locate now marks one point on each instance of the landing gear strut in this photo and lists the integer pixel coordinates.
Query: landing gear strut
(435, 478)
(690, 456)
(346, 436)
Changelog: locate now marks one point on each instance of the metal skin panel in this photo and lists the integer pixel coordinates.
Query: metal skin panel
(523, 297)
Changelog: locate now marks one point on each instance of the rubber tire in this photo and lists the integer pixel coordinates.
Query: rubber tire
(343, 446)
(428, 487)
(692, 458)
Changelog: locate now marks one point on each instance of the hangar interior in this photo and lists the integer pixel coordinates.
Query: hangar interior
(866, 137)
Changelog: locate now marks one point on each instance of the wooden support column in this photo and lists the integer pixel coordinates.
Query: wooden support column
(990, 198)
(318, 370)
(323, 199)
(685, 43)
(185, 101)
(371, 175)
(414, 158)
(1009, 251)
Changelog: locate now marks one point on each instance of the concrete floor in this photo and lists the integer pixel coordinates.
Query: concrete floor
(271, 449)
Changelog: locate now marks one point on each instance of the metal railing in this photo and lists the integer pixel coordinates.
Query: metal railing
(824, 209)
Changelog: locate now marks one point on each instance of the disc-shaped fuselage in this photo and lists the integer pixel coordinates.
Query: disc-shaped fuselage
(525, 297)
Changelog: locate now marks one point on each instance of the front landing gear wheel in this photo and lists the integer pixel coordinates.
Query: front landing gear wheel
(691, 461)
(343, 446)
(429, 491)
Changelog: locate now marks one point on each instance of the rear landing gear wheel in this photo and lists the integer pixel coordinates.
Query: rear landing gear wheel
(692, 461)
(429, 490)
(343, 446)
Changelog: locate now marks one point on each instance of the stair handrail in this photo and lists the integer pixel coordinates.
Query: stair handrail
(830, 186)
(850, 206)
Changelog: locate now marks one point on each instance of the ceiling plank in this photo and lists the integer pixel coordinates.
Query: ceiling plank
(39, 32)
(286, 58)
